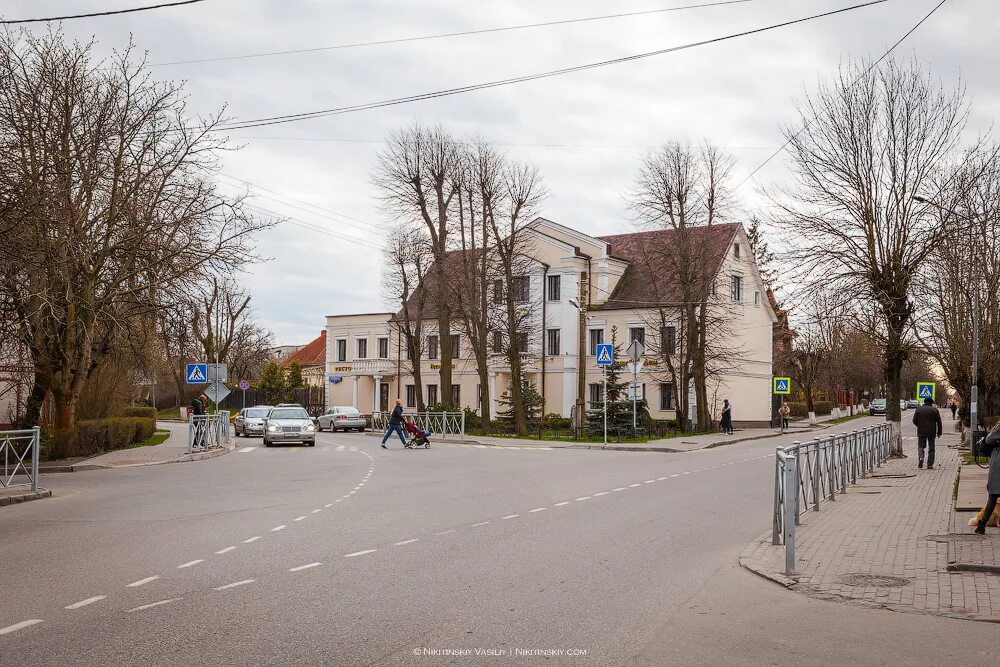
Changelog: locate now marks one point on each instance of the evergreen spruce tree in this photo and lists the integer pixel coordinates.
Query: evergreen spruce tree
(294, 378)
(532, 402)
(619, 403)
(272, 382)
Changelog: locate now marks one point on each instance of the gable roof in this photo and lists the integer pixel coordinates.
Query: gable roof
(311, 354)
(648, 280)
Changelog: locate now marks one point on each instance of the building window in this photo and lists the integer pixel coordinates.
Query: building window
(668, 340)
(383, 348)
(341, 349)
(432, 347)
(497, 291)
(736, 250)
(456, 395)
(522, 342)
(362, 348)
(596, 338)
(637, 334)
(497, 342)
(713, 289)
(552, 342)
(667, 396)
(411, 396)
(554, 288)
(432, 394)
(756, 299)
(736, 288)
(456, 347)
(522, 285)
(479, 394)
(596, 395)
(410, 347)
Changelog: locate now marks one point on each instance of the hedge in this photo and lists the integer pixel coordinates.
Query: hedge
(94, 436)
(139, 411)
(799, 409)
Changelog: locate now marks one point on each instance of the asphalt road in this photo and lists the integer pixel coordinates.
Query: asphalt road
(348, 554)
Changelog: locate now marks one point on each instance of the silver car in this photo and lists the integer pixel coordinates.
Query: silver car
(250, 421)
(342, 417)
(289, 424)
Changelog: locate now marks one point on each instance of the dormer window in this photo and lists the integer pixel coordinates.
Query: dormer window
(736, 250)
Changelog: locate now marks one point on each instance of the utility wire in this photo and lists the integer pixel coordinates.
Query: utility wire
(482, 31)
(289, 118)
(107, 13)
(853, 83)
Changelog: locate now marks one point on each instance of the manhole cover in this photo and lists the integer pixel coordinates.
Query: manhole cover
(880, 580)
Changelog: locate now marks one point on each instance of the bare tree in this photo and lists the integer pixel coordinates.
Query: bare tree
(870, 139)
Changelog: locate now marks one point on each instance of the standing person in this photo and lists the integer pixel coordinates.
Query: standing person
(726, 422)
(954, 408)
(395, 424)
(197, 410)
(927, 419)
(992, 441)
(784, 412)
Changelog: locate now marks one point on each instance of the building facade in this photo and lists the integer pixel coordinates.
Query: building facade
(622, 290)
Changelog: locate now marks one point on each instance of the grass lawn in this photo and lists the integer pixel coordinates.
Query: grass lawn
(158, 438)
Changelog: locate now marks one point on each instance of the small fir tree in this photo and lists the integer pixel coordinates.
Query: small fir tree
(293, 380)
(272, 382)
(619, 403)
(532, 402)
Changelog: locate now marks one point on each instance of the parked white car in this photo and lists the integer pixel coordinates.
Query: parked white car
(287, 423)
(250, 421)
(342, 418)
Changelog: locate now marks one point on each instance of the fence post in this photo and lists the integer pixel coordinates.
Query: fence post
(463, 423)
(36, 438)
(779, 503)
(798, 467)
(817, 470)
(191, 433)
(791, 479)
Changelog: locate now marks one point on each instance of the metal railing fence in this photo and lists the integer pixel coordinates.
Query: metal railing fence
(208, 432)
(808, 473)
(19, 451)
(438, 423)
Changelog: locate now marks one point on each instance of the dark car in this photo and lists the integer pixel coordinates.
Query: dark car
(877, 407)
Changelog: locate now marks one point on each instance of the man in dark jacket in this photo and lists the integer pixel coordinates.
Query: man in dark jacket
(992, 480)
(927, 419)
(395, 424)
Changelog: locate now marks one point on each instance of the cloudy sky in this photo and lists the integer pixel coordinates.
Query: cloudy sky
(585, 131)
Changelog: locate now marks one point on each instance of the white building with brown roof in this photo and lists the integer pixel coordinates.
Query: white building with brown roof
(626, 282)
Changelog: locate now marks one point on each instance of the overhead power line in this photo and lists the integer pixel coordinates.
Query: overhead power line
(403, 40)
(106, 13)
(290, 118)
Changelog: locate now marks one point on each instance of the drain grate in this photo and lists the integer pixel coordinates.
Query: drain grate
(879, 580)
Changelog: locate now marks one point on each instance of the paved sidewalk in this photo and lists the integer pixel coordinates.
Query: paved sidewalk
(889, 542)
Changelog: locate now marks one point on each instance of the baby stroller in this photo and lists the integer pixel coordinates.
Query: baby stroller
(417, 438)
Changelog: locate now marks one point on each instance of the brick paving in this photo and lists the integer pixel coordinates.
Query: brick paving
(898, 523)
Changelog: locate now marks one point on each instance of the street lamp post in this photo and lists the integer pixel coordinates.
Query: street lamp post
(974, 390)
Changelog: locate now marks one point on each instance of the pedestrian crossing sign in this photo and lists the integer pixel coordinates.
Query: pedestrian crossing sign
(782, 386)
(926, 390)
(197, 373)
(605, 354)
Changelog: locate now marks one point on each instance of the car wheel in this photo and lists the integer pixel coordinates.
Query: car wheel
(361, 430)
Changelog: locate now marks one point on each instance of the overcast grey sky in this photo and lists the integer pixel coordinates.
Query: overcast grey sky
(585, 131)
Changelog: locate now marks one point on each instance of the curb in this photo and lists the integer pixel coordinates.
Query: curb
(184, 458)
(25, 497)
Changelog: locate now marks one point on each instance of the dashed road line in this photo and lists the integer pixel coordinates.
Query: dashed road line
(190, 563)
(304, 567)
(509, 516)
(20, 626)
(676, 475)
(245, 450)
(481, 523)
(446, 532)
(660, 479)
(649, 481)
(601, 493)
(410, 541)
(224, 551)
(620, 488)
(143, 582)
(234, 584)
(632, 486)
(151, 605)
(537, 509)
(251, 539)
(686, 473)
(299, 518)
(84, 603)
(317, 511)
(277, 528)
(328, 505)
(583, 498)
(360, 553)
(565, 502)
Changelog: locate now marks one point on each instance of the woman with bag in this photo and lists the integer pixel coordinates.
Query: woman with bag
(992, 444)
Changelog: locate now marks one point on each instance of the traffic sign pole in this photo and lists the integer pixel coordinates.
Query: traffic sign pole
(605, 406)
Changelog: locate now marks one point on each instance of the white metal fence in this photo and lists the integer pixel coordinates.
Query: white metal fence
(208, 432)
(19, 452)
(439, 423)
(807, 473)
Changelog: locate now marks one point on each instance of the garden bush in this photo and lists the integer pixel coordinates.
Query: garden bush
(94, 436)
(556, 422)
(139, 411)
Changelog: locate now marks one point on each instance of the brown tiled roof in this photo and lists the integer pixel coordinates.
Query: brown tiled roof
(312, 354)
(649, 278)
(428, 286)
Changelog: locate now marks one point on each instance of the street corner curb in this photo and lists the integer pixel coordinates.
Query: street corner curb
(78, 467)
(203, 456)
(751, 560)
(25, 497)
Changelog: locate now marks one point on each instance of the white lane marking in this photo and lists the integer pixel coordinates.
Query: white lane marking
(84, 603)
(632, 486)
(676, 475)
(224, 551)
(538, 509)
(299, 518)
(304, 567)
(601, 493)
(545, 449)
(252, 539)
(509, 516)
(620, 488)
(686, 473)
(234, 584)
(328, 505)
(360, 553)
(354, 449)
(341, 448)
(317, 511)
(445, 532)
(583, 498)
(151, 605)
(481, 523)
(480, 446)
(143, 582)
(411, 541)
(698, 470)
(190, 563)
(339, 500)
(245, 450)
(649, 481)
(565, 502)
(277, 528)
(357, 487)
(19, 626)
(352, 493)
(660, 479)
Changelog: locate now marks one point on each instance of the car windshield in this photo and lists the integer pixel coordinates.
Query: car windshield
(878, 403)
(257, 414)
(289, 413)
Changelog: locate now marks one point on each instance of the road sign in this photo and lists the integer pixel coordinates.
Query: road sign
(197, 373)
(605, 354)
(244, 385)
(218, 372)
(782, 386)
(635, 367)
(635, 351)
(926, 390)
(216, 392)
(635, 391)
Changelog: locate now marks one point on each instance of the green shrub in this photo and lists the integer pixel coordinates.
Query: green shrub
(556, 422)
(94, 436)
(139, 411)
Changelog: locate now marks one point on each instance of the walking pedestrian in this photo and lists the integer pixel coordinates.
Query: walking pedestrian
(726, 422)
(954, 408)
(395, 424)
(927, 419)
(784, 412)
(992, 442)
(198, 410)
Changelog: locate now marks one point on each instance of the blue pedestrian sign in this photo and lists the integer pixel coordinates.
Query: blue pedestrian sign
(605, 354)
(782, 386)
(197, 373)
(926, 390)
